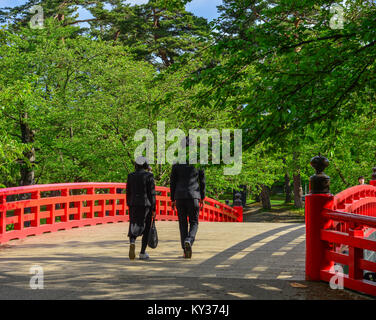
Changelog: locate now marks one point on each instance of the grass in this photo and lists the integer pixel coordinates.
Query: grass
(279, 205)
(276, 202)
(251, 201)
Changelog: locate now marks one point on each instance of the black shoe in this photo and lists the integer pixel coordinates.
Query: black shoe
(187, 250)
(132, 251)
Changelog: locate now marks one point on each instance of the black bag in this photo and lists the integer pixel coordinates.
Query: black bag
(153, 236)
(136, 230)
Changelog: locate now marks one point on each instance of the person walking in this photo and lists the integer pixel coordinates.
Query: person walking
(187, 186)
(141, 200)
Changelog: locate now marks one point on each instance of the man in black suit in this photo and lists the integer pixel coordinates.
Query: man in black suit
(141, 200)
(187, 194)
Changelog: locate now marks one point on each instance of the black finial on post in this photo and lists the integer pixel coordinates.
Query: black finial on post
(319, 182)
(238, 202)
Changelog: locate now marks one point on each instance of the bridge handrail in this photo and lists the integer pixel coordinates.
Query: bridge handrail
(347, 197)
(54, 207)
(354, 219)
(341, 221)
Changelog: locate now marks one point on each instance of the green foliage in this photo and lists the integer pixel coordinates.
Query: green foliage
(288, 68)
(85, 100)
(159, 31)
(72, 98)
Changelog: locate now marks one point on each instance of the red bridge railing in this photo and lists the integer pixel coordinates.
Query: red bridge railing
(33, 210)
(338, 230)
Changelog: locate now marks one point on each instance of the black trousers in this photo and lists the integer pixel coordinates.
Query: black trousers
(188, 209)
(140, 219)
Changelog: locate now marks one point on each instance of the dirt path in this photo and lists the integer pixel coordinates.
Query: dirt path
(255, 213)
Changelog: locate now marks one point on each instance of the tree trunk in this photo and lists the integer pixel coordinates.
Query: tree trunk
(116, 37)
(298, 191)
(258, 194)
(27, 165)
(161, 52)
(265, 197)
(287, 188)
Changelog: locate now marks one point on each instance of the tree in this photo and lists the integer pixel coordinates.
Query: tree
(62, 11)
(10, 151)
(20, 98)
(287, 185)
(159, 31)
(55, 92)
(290, 69)
(74, 105)
(298, 190)
(156, 32)
(261, 169)
(238, 16)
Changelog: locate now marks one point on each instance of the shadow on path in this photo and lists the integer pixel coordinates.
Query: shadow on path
(248, 269)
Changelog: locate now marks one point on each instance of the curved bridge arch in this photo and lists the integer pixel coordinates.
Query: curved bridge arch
(38, 209)
(359, 199)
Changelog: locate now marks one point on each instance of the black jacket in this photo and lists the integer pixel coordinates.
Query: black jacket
(141, 189)
(187, 182)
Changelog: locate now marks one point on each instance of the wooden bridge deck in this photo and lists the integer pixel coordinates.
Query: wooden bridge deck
(230, 261)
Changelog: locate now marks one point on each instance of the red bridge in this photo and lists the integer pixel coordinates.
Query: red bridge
(341, 230)
(242, 260)
(33, 210)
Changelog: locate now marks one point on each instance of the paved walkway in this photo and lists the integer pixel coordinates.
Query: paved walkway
(230, 261)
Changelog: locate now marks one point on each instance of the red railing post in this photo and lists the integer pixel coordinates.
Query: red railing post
(78, 215)
(166, 200)
(315, 202)
(355, 256)
(65, 196)
(3, 215)
(35, 210)
(102, 204)
(314, 205)
(20, 223)
(90, 203)
(157, 205)
(51, 218)
(239, 212)
(112, 212)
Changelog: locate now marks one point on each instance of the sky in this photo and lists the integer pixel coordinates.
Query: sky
(201, 8)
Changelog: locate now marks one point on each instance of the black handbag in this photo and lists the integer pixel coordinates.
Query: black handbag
(153, 236)
(136, 230)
